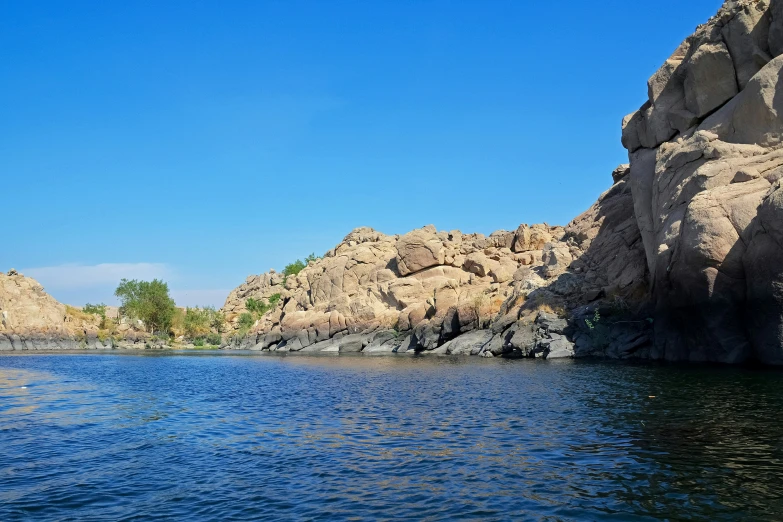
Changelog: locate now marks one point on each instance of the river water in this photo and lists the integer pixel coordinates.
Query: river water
(255, 437)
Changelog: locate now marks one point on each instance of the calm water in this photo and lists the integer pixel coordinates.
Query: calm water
(218, 437)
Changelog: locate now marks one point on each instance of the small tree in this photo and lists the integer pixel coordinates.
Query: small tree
(294, 268)
(257, 306)
(99, 309)
(312, 258)
(196, 322)
(246, 322)
(217, 321)
(148, 301)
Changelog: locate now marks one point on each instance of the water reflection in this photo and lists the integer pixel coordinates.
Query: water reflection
(246, 437)
(711, 434)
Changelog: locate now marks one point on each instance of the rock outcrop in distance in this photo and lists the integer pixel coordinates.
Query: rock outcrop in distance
(31, 319)
(682, 259)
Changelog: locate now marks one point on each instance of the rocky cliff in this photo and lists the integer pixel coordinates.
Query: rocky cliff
(705, 164)
(681, 259)
(454, 293)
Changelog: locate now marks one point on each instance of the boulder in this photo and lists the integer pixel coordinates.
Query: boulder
(621, 172)
(556, 258)
(527, 238)
(560, 348)
(705, 203)
(468, 344)
(352, 343)
(753, 116)
(478, 263)
(522, 339)
(418, 250)
(551, 323)
(710, 79)
(746, 35)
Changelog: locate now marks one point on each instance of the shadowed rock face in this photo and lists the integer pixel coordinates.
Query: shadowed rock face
(706, 158)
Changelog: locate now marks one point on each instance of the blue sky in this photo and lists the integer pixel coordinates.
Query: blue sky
(205, 141)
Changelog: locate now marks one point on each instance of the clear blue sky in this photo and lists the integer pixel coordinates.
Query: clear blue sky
(206, 141)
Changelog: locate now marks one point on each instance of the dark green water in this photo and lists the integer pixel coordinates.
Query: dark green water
(218, 437)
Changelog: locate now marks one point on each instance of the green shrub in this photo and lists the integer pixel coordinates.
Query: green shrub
(198, 342)
(246, 321)
(294, 268)
(196, 322)
(77, 314)
(312, 258)
(217, 321)
(257, 306)
(214, 339)
(591, 325)
(99, 309)
(598, 331)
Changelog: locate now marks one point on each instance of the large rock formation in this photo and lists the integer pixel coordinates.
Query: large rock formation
(681, 259)
(31, 319)
(452, 293)
(706, 160)
(373, 282)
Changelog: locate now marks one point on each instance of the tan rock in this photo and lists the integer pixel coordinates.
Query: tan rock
(710, 79)
(418, 250)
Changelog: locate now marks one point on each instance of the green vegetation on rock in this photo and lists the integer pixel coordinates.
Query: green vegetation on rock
(99, 309)
(148, 301)
(200, 322)
(294, 268)
(258, 307)
(246, 322)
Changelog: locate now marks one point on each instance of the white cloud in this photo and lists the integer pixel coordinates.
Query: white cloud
(214, 298)
(70, 277)
(80, 284)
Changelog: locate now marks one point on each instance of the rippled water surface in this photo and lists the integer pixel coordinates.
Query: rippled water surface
(218, 437)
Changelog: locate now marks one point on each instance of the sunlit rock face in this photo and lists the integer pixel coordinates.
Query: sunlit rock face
(31, 319)
(452, 293)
